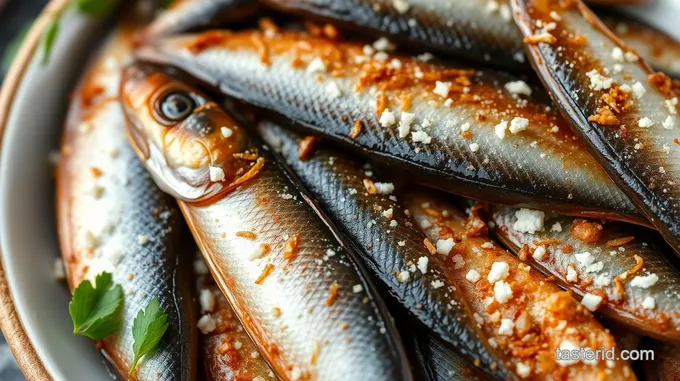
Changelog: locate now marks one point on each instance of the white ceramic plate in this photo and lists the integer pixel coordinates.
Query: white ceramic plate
(32, 105)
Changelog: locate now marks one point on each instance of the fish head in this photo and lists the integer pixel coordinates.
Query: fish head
(190, 145)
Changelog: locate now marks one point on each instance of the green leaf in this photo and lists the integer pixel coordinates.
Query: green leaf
(94, 310)
(13, 46)
(92, 7)
(49, 37)
(148, 329)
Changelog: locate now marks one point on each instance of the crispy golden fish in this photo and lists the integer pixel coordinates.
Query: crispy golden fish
(299, 293)
(626, 113)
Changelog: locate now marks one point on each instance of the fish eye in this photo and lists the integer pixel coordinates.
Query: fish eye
(177, 106)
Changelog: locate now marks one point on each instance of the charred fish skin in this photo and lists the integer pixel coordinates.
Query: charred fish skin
(187, 15)
(297, 291)
(367, 212)
(615, 262)
(111, 217)
(626, 114)
(478, 30)
(486, 142)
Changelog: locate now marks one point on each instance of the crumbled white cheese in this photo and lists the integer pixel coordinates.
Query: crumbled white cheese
(405, 123)
(671, 105)
(584, 259)
(207, 299)
(206, 324)
(669, 123)
(523, 370)
(591, 302)
(506, 327)
(617, 68)
(518, 124)
(421, 136)
(388, 213)
(333, 90)
(401, 6)
(518, 87)
(425, 57)
(493, 343)
(539, 253)
(500, 129)
(599, 81)
(572, 275)
(442, 88)
(649, 303)
(357, 288)
(645, 122)
(444, 246)
(422, 264)
(639, 90)
(226, 132)
(478, 318)
(645, 281)
(143, 239)
(502, 291)
(384, 45)
(403, 276)
(602, 280)
(387, 118)
(316, 66)
(617, 54)
(631, 57)
(258, 251)
(473, 276)
(383, 188)
(555, 16)
(499, 270)
(556, 227)
(216, 173)
(528, 220)
(448, 102)
(474, 147)
(436, 284)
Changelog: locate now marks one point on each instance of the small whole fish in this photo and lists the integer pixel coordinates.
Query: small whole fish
(482, 135)
(299, 293)
(626, 113)
(186, 15)
(617, 264)
(480, 30)
(527, 318)
(367, 212)
(111, 217)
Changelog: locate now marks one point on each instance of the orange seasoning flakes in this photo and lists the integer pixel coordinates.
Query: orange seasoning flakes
(356, 129)
(662, 82)
(245, 234)
(605, 117)
(331, 32)
(332, 294)
(639, 264)
(306, 147)
(543, 37)
(265, 273)
(619, 241)
(290, 251)
(430, 247)
(406, 100)
(207, 40)
(251, 172)
(315, 352)
(566, 249)
(578, 40)
(586, 231)
(250, 156)
(676, 141)
(370, 187)
(381, 103)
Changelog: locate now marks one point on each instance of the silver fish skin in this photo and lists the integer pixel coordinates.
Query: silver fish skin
(298, 292)
(112, 217)
(625, 113)
(187, 15)
(478, 30)
(329, 88)
(617, 262)
(387, 239)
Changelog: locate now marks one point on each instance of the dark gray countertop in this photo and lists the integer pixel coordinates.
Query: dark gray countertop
(14, 14)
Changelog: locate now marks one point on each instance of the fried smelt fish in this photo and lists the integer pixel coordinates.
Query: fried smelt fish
(615, 265)
(227, 352)
(527, 317)
(366, 210)
(483, 135)
(186, 15)
(111, 217)
(480, 30)
(659, 49)
(627, 114)
(300, 295)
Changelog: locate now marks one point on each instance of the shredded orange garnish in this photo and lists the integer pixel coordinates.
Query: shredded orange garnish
(306, 147)
(430, 246)
(315, 352)
(620, 241)
(292, 244)
(265, 273)
(544, 37)
(96, 172)
(245, 234)
(250, 156)
(251, 172)
(639, 263)
(381, 103)
(370, 187)
(356, 129)
(333, 293)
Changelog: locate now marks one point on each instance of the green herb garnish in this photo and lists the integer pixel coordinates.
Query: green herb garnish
(148, 329)
(94, 310)
(48, 39)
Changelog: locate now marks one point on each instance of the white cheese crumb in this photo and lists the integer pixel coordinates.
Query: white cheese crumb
(518, 124)
(649, 303)
(599, 81)
(444, 246)
(207, 299)
(394, 223)
(383, 188)
(422, 264)
(539, 253)
(528, 220)
(256, 252)
(499, 270)
(572, 275)
(556, 227)
(669, 123)
(645, 122)
(523, 370)
(506, 327)
(617, 68)
(487, 245)
(143, 239)
(474, 147)
(401, 6)
(388, 213)
(626, 88)
(226, 132)
(425, 57)
(387, 118)
(421, 136)
(368, 50)
(330, 252)
(384, 45)
(584, 259)
(478, 318)
(518, 87)
(206, 324)
(591, 302)
(500, 129)
(555, 16)
(645, 281)
(216, 174)
(405, 123)
(442, 89)
(448, 102)
(333, 90)
(465, 127)
(639, 90)
(617, 54)
(357, 288)
(631, 57)
(473, 276)
(502, 291)
(493, 343)
(403, 276)
(316, 66)
(436, 284)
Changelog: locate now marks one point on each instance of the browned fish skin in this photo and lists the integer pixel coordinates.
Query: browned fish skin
(297, 291)
(332, 89)
(387, 239)
(111, 217)
(606, 267)
(527, 317)
(627, 115)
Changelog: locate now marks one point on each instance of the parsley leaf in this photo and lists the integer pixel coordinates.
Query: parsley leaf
(148, 329)
(94, 310)
(13, 47)
(49, 37)
(93, 7)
